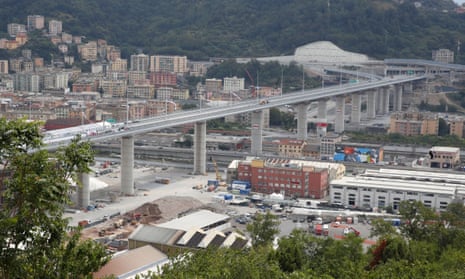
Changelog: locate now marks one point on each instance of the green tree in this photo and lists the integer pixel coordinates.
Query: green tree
(443, 128)
(263, 229)
(223, 263)
(34, 237)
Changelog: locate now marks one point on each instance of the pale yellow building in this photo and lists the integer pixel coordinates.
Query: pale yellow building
(164, 63)
(414, 123)
(291, 148)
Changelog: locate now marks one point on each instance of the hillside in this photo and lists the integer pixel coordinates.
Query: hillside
(201, 29)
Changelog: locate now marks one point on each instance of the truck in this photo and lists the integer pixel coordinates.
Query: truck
(318, 229)
(277, 207)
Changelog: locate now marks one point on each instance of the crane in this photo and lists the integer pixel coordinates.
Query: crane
(218, 175)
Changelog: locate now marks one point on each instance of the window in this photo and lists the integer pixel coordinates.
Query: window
(352, 188)
(337, 187)
(381, 191)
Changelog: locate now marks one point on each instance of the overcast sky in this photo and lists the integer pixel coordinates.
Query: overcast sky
(460, 2)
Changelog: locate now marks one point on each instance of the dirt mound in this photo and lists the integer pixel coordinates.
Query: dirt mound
(164, 209)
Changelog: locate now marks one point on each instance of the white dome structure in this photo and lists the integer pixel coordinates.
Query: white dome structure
(327, 52)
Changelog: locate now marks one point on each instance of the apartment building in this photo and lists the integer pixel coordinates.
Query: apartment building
(139, 62)
(27, 82)
(328, 146)
(15, 28)
(233, 84)
(35, 22)
(162, 79)
(86, 84)
(456, 126)
(88, 51)
(291, 148)
(198, 69)
(113, 53)
(443, 55)
(55, 27)
(114, 88)
(180, 94)
(66, 38)
(173, 64)
(137, 77)
(213, 85)
(144, 91)
(164, 93)
(118, 65)
(3, 66)
(414, 123)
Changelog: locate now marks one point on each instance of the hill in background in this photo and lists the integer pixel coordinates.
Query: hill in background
(201, 29)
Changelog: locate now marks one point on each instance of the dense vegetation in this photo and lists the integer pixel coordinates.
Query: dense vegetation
(419, 140)
(426, 245)
(244, 28)
(35, 239)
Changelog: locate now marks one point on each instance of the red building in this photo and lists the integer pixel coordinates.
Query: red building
(163, 79)
(292, 177)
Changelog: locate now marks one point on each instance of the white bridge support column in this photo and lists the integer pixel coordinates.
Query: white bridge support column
(340, 108)
(408, 88)
(386, 94)
(356, 108)
(379, 101)
(302, 129)
(371, 104)
(200, 145)
(398, 93)
(127, 165)
(322, 110)
(83, 192)
(256, 134)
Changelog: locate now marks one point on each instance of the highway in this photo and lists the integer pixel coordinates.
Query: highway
(203, 114)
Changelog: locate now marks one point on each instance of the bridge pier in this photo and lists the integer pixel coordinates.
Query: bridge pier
(302, 129)
(398, 97)
(256, 134)
(127, 165)
(385, 97)
(322, 110)
(83, 190)
(200, 143)
(356, 107)
(371, 104)
(340, 108)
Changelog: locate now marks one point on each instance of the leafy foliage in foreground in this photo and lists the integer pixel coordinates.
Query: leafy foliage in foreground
(35, 241)
(427, 245)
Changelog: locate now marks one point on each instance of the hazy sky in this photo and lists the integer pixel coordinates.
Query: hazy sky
(460, 2)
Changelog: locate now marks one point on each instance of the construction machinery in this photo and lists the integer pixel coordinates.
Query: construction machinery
(218, 175)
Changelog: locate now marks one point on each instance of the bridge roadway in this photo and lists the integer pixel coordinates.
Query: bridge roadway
(203, 114)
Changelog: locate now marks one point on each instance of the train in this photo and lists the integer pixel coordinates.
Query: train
(88, 130)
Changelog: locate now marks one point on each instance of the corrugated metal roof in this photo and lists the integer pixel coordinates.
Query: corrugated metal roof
(202, 219)
(155, 234)
(231, 239)
(212, 236)
(132, 262)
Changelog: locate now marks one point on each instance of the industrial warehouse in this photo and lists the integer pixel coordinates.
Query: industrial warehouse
(388, 187)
